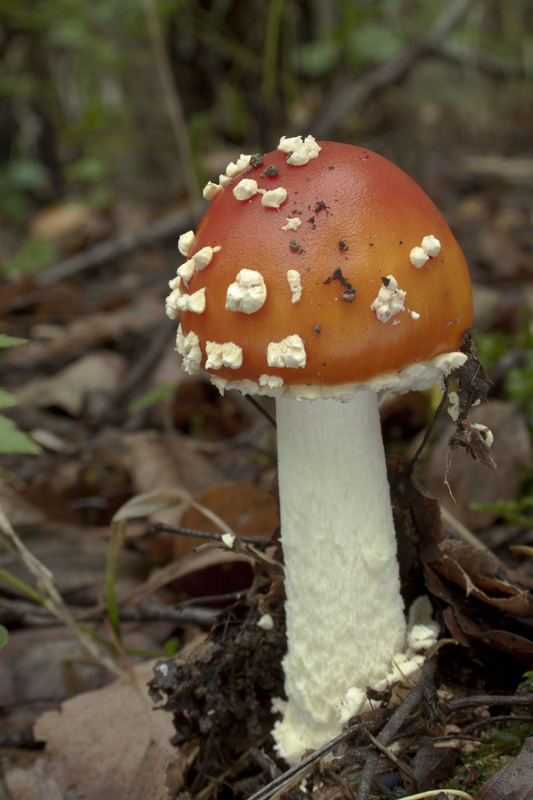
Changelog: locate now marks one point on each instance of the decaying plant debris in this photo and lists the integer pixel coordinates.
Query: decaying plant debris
(479, 597)
(98, 342)
(220, 695)
(473, 388)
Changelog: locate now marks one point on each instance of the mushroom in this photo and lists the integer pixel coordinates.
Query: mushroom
(367, 322)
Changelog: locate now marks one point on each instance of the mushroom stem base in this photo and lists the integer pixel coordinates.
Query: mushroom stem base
(344, 610)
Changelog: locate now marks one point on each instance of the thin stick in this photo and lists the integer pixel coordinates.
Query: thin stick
(345, 98)
(461, 530)
(400, 765)
(177, 117)
(297, 773)
(481, 723)
(168, 227)
(438, 792)
(258, 541)
(394, 725)
(251, 399)
(429, 430)
(26, 613)
(487, 700)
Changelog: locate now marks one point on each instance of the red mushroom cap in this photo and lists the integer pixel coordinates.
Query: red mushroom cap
(361, 217)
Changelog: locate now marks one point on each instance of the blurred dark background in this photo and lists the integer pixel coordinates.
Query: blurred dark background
(112, 103)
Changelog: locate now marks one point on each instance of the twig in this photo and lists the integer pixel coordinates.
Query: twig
(297, 773)
(388, 754)
(429, 430)
(48, 593)
(263, 761)
(22, 611)
(262, 410)
(177, 117)
(392, 728)
(258, 541)
(238, 546)
(243, 439)
(388, 734)
(505, 168)
(145, 363)
(450, 737)
(168, 227)
(481, 723)
(474, 59)
(461, 530)
(487, 700)
(437, 792)
(213, 598)
(344, 99)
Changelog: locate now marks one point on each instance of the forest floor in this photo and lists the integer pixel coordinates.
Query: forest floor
(133, 452)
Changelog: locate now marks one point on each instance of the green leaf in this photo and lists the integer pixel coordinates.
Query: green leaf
(315, 59)
(13, 440)
(22, 587)
(7, 399)
(372, 43)
(25, 173)
(10, 341)
(3, 636)
(171, 646)
(33, 255)
(151, 398)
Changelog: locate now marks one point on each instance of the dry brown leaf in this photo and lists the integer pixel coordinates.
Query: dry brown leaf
(247, 509)
(210, 562)
(150, 503)
(99, 739)
(469, 620)
(157, 463)
(28, 776)
(70, 226)
(76, 555)
(150, 782)
(514, 781)
(470, 481)
(20, 511)
(479, 572)
(44, 582)
(85, 332)
(432, 765)
(70, 388)
(472, 389)
(479, 597)
(33, 672)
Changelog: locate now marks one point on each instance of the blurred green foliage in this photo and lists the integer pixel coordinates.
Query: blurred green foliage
(20, 175)
(151, 397)
(33, 256)
(517, 386)
(513, 511)
(82, 112)
(518, 380)
(12, 439)
(505, 744)
(491, 348)
(63, 97)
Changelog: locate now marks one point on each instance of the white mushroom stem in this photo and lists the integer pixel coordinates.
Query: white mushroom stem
(344, 611)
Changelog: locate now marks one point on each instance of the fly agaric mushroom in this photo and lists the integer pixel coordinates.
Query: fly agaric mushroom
(333, 279)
